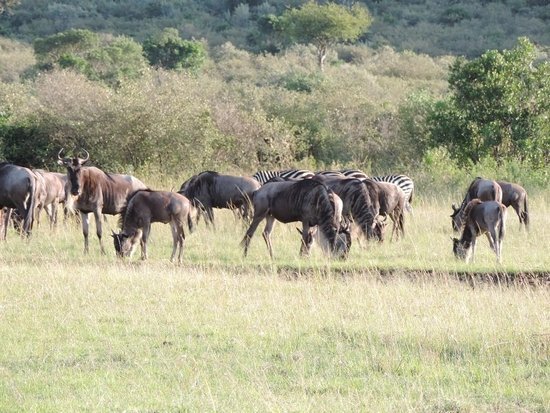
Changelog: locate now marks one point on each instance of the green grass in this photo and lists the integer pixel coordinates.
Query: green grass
(392, 329)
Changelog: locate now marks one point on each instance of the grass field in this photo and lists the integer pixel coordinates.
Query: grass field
(392, 329)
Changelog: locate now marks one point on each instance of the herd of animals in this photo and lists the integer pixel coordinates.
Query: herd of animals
(329, 204)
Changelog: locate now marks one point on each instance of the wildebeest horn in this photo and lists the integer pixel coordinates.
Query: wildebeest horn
(87, 156)
(59, 154)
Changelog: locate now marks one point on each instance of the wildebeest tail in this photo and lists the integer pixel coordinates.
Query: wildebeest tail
(525, 213)
(192, 212)
(502, 219)
(29, 213)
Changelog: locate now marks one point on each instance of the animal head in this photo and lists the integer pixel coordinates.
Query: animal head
(125, 244)
(74, 169)
(456, 218)
(460, 249)
(342, 244)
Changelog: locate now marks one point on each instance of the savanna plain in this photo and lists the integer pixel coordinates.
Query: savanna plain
(399, 326)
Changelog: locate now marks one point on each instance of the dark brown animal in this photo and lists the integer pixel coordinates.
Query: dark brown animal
(357, 205)
(391, 203)
(483, 189)
(95, 191)
(209, 190)
(145, 207)
(516, 196)
(53, 193)
(306, 201)
(480, 218)
(17, 191)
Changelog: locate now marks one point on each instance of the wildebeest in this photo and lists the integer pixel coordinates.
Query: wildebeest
(342, 244)
(516, 196)
(97, 192)
(483, 189)
(17, 191)
(145, 207)
(391, 203)
(53, 187)
(306, 201)
(357, 204)
(479, 218)
(208, 190)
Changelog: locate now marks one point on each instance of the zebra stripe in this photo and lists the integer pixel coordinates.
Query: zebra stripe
(354, 173)
(330, 174)
(288, 174)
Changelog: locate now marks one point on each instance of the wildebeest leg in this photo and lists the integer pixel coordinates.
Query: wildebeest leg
(471, 251)
(143, 241)
(258, 217)
(84, 217)
(270, 221)
(493, 242)
(178, 238)
(307, 239)
(6, 214)
(99, 228)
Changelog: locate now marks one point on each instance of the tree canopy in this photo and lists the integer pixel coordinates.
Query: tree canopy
(324, 25)
(499, 106)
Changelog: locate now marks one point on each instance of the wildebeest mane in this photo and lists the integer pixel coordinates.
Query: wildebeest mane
(314, 193)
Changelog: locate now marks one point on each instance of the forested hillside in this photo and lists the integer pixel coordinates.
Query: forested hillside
(434, 27)
(133, 87)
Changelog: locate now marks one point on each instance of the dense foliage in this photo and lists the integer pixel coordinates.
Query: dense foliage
(171, 105)
(435, 27)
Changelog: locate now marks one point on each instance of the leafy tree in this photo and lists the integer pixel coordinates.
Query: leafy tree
(324, 25)
(107, 58)
(168, 50)
(499, 107)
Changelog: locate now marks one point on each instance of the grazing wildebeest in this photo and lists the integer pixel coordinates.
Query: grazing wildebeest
(145, 207)
(483, 189)
(97, 192)
(342, 243)
(479, 218)
(516, 196)
(306, 201)
(53, 194)
(391, 203)
(208, 190)
(357, 205)
(17, 191)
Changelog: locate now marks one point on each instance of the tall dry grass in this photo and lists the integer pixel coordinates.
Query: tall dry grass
(224, 333)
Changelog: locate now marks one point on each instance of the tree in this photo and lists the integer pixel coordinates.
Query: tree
(99, 57)
(324, 25)
(168, 50)
(499, 106)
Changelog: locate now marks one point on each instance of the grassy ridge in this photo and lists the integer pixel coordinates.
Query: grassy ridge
(223, 333)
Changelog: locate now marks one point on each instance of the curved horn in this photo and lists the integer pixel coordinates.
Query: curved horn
(59, 154)
(87, 156)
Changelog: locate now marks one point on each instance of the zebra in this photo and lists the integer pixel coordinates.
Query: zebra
(330, 174)
(354, 173)
(402, 181)
(288, 175)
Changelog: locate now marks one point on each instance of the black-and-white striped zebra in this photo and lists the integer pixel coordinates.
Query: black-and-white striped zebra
(288, 175)
(402, 181)
(354, 173)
